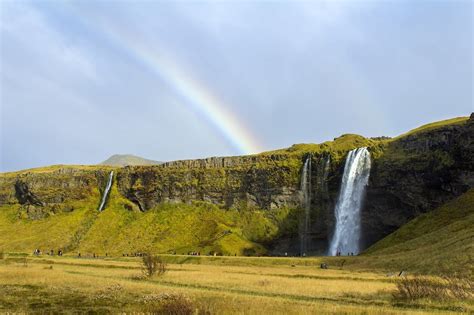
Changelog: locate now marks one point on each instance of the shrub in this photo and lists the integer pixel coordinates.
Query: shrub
(460, 288)
(165, 303)
(153, 265)
(419, 287)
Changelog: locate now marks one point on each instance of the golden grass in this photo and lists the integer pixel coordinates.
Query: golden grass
(59, 284)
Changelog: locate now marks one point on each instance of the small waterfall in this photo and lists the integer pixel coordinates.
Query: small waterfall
(323, 173)
(106, 191)
(354, 181)
(306, 192)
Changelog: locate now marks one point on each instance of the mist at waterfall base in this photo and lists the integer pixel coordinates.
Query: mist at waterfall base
(347, 233)
(106, 191)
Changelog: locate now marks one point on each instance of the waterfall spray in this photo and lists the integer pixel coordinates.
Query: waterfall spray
(106, 191)
(354, 181)
(306, 191)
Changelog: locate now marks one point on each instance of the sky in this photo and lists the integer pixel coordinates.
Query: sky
(167, 80)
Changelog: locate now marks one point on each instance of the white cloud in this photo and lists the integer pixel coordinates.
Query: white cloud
(54, 51)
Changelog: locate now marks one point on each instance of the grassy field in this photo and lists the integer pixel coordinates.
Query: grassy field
(207, 285)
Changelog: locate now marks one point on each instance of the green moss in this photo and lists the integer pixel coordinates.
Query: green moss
(434, 125)
(441, 241)
(180, 228)
(55, 168)
(54, 232)
(337, 148)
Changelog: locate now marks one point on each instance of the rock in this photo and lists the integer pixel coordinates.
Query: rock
(25, 196)
(416, 174)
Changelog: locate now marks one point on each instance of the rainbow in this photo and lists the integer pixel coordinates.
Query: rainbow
(202, 101)
(195, 94)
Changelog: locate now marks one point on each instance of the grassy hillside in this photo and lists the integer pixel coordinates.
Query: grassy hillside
(121, 228)
(337, 148)
(55, 168)
(128, 159)
(441, 241)
(434, 125)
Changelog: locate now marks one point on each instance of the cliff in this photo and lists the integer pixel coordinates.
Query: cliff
(256, 197)
(416, 173)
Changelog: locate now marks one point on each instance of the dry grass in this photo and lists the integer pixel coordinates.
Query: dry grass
(446, 288)
(83, 285)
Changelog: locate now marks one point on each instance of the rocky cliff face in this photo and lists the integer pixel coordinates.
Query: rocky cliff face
(42, 193)
(416, 174)
(263, 182)
(411, 174)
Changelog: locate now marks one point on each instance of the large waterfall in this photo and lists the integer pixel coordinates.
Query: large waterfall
(306, 192)
(106, 191)
(354, 181)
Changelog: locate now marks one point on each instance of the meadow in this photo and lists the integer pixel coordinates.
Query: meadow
(205, 285)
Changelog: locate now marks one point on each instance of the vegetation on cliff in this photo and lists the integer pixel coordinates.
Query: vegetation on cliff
(166, 228)
(231, 205)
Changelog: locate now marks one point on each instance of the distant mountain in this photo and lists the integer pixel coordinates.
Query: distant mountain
(128, 159)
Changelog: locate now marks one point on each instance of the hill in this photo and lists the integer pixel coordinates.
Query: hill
(441, 241)
(128, 159)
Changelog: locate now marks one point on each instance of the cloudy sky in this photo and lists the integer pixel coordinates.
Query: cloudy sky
(82, 80)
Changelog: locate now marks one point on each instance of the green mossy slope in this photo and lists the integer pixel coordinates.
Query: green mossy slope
(121, 228)
(441, 241)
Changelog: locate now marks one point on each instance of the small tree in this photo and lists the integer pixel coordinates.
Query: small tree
(153, 265)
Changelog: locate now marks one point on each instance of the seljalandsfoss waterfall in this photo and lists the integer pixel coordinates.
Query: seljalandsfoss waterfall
(106, 191)
(306, 192)
(354, 181)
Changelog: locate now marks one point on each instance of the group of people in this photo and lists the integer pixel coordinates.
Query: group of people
(38, 252)
(94, 255)
(339, 253)
(137, 254)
